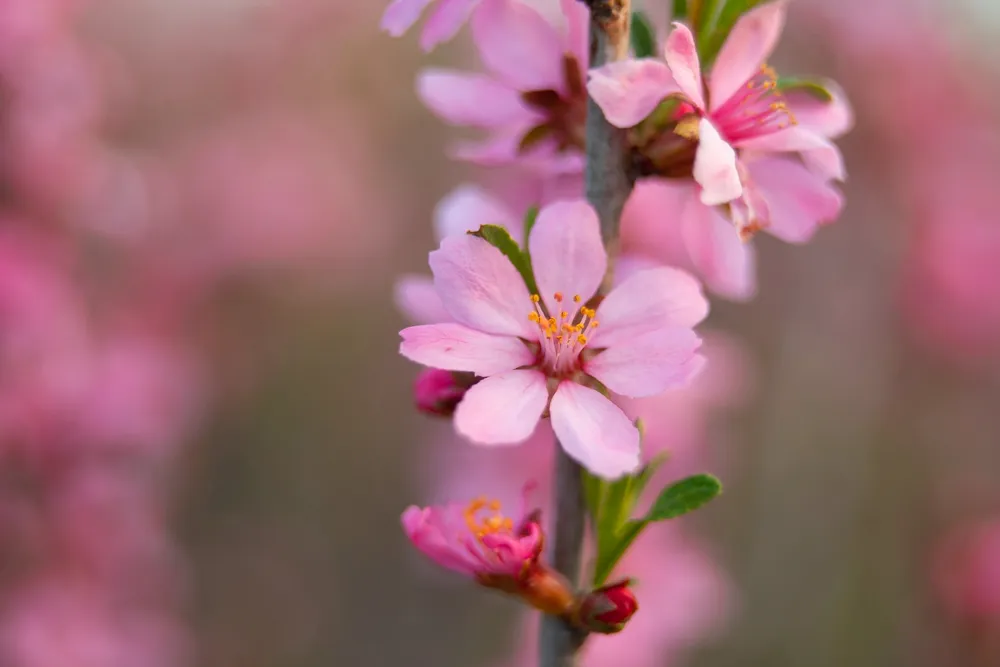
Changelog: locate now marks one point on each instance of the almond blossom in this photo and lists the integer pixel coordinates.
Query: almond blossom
(533, 99)
(445, 19)
(744, 151)
(540, 353)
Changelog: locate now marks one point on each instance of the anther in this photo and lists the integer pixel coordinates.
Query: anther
(558, 297)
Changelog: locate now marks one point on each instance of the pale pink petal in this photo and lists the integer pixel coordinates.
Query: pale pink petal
(501, 147)
(401, 15)
(577, 29)
(798, 200)
(817, 152)
(424, 528)
(419, 302)
(503, 409)
(724, 261)
(594, 431)
(480, 287)
(748, 46)
(715, 167)
(682, 57)
(462, 98)
(829, 119)
(629, 90)
(455, 347)
(519, 45)
(444, 22)
(649, 364)
(467, 208)
(567, 254)
(651, 300)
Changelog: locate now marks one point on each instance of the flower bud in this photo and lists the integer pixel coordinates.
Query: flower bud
(438, 392)
(608, 609)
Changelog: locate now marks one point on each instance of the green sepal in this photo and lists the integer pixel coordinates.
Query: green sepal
(500, 238)
(643, 36)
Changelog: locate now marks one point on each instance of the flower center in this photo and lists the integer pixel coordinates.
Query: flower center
(562, 339)
(564, 114)
(756, 109)
(492, 522)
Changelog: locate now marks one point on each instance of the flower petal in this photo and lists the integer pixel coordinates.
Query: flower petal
(748, 46)
(577, 28)
(649, 364)
(419, 302)
(519, 45)
(682, 57)
(819, 154)
(461, 98)
(445, 21)
(401, 15)
(467, 208)
(651, 300)
(629, 90)
(594, 431)
(724, 261)
(798, 200)
(715, 167)
(480, 287)
(425, 529)
(567, 253)
(503, 409)
(454, 347)
(829, 119)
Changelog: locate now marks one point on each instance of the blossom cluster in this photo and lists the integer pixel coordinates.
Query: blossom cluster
(537, 324)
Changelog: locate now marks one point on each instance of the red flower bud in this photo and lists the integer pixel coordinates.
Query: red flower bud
(439, 392)
(608, 609)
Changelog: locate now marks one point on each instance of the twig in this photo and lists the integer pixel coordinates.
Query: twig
(608, 185)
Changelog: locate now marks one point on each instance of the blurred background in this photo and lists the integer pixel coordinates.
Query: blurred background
(207, 436)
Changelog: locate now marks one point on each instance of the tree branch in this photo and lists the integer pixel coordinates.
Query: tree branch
(608, 185)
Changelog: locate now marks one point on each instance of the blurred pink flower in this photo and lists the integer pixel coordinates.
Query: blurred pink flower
(438, 392)
(461, 539)
(532, 101)
(443, 23)
(748, 133)
(966, 572)
(643, 346)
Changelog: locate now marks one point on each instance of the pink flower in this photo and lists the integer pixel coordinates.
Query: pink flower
(540, 352)
(462, 539)
(438, 392)
(608, 609)
(444, 22)
(532, 101)
(764, 153)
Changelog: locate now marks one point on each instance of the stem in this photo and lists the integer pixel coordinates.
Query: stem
(608, 184)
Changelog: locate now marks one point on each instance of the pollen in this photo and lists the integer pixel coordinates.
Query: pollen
(495, 522)
(558, 296)
(576, 298)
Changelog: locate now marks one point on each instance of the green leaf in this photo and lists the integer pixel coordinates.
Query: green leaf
(716, 21)
(500, 238)
(607, 561)
(529, 223)
(684, 496)
(643, 36)
(791, 84)
(680, 10)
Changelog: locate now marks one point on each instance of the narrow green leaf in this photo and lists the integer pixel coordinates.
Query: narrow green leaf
(717, 22)
(500, 238)
(643, 36)
(641, 478)
(684, 496)
(593, 492)
(608, 559)
(529, 223)
(791, 84)
(680, 10)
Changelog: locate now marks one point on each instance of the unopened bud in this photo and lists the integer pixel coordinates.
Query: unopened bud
(608, 609)
(438, 392)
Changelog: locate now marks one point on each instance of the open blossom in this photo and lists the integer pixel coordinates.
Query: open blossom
(743, 151)
(533, 99)
(445, 20)
(540, 352)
